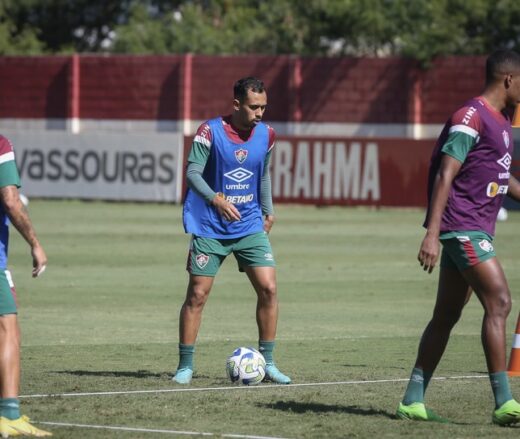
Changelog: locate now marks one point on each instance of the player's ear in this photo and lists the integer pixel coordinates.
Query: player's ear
(236, 104)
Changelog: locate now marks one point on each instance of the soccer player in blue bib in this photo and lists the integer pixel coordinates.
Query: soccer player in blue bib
(229, 209)
(469, 178)
(11, 208)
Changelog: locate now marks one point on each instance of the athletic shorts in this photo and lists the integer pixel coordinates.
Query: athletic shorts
(462, 250)
(8, 299)
(207, 254)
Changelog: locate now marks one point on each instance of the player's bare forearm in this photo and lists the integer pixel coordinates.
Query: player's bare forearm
(514, 188)
(18, 216)
(429, 250)
(441, 190)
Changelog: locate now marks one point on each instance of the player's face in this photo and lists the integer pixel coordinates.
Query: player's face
(513, 95)
(251, 110)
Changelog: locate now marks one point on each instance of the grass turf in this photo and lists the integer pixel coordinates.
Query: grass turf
(353, 303)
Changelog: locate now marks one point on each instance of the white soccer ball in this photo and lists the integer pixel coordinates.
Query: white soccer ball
(246, 366)
(502, 214)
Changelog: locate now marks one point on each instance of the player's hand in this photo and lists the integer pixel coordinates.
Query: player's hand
(268, 223)
(39, 260)
(429, 252)
(226, 209)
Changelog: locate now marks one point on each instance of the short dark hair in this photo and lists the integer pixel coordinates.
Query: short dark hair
(501, 62)
(244, 84)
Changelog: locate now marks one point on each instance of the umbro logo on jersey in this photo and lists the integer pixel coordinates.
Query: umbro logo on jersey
(241, 155)
(505, 161)
(505, 135)
(239, 175)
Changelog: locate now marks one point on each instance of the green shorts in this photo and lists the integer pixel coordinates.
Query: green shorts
(462, 250)
(207, 254)
(7, 294)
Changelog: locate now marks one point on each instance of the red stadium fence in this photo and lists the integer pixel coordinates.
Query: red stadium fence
(197, 87)
(351, 131)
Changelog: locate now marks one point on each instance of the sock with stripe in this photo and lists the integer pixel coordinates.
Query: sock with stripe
(266, 349)
(10, 408)
(501, 388)
(186, 352)
(417, 386)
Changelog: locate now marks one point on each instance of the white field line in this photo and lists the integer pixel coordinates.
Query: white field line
(240, 340)
(243, 388)
(151, 430)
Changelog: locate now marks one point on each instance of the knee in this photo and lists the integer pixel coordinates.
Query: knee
(196, 297)
(9, 327)
(501, 305)
(268, 292)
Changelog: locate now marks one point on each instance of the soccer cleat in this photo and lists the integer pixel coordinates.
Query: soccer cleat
(418, 412)
(20, 427)
(183, 376)
(507, 414)
(273, 374)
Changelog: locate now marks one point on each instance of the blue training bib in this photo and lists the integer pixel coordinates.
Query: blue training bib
(235, 169)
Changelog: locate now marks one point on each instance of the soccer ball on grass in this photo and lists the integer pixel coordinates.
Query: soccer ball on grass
(246, 366)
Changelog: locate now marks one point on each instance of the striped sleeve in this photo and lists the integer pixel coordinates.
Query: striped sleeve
(272, 138)
(201, 145)
(266, 196)
(8, 171)
(463, 134)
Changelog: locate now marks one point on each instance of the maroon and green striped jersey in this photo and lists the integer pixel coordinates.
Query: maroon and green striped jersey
(481, 139)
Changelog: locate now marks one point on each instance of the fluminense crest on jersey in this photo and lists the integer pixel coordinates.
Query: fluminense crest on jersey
(505, 135)
(241, 155)
(202, 260)
(486, 245)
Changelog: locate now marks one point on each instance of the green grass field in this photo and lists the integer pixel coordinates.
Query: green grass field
(353, 303)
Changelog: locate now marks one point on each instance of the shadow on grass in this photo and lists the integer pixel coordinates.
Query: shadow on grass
(303, 407)
(117, 374)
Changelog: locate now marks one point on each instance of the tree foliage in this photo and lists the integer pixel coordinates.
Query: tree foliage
(421, 29)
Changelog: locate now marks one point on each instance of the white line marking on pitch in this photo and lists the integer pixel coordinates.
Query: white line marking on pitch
(270, 386)
(150, 430)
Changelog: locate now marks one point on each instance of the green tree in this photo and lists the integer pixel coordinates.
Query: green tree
(425, 29)
(55, 26)
(420, 29)
(212, 27)
(141, 34)
(14, 38)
